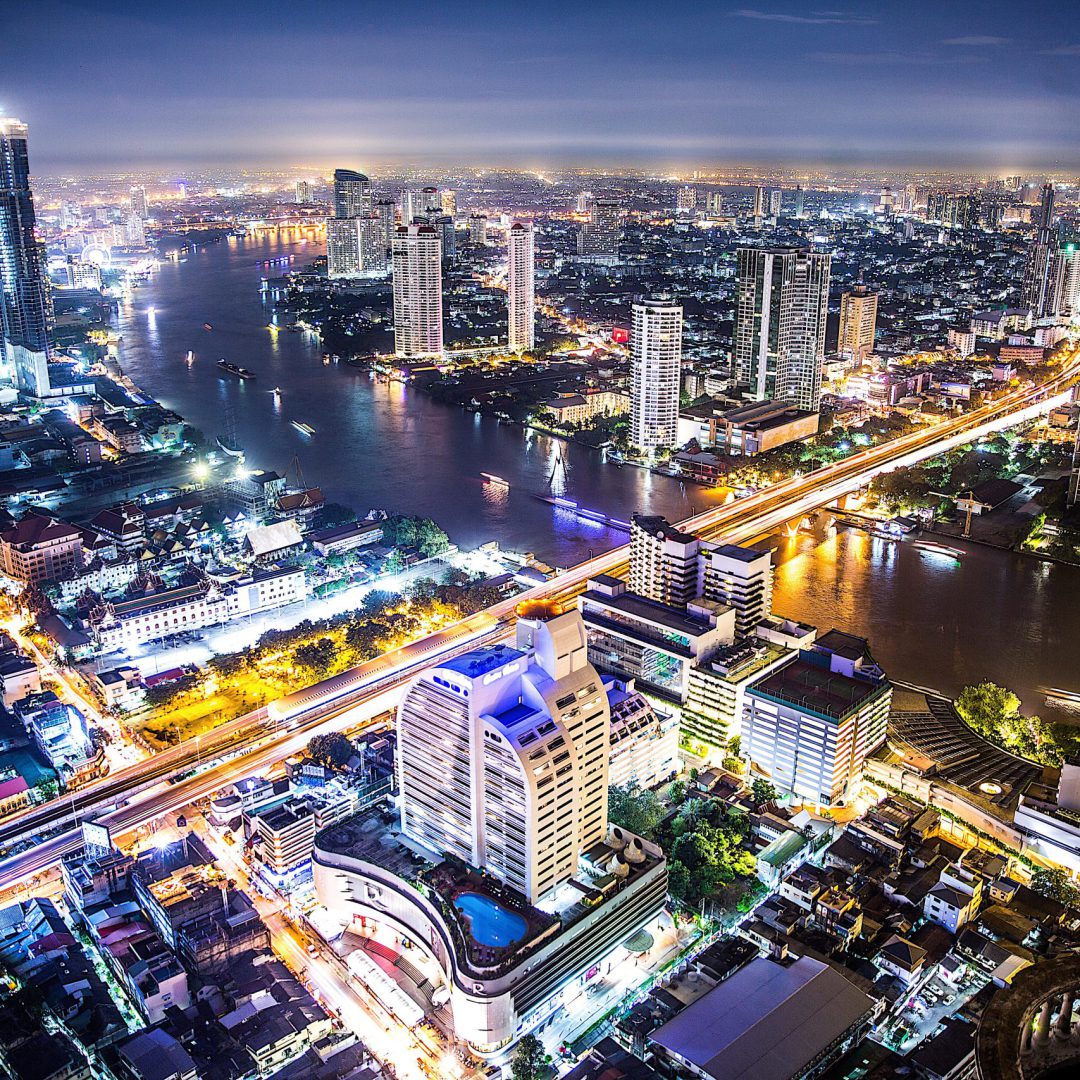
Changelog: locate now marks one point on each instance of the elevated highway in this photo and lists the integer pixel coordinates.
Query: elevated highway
(142, 792)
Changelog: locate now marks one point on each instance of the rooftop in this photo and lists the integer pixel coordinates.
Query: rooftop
(808, 686)
(767, 1021)
(480, 661)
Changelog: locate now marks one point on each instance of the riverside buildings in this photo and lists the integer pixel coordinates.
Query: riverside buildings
(520, 286)
(781, 305)
(656, 370)
(355, 236)
(25, 305)
(418, 315)
(523, 885)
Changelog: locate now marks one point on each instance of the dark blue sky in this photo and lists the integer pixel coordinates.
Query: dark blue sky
(952, 82)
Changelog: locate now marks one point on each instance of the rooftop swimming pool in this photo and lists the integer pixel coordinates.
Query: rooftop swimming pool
(489, 922)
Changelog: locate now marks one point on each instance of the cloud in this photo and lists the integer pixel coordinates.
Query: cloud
(815, 18)
(891, 59)
(974, 41)
(1063, 50)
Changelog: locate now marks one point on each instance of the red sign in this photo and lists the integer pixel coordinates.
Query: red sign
(620, 335)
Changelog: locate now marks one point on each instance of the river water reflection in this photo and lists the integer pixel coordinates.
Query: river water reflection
(930, 621)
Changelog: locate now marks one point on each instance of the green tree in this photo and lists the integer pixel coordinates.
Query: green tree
(676, 792)
(1056, 885)
(634, 808)
(986, 707)
(316, 656)
(528, 1059)
(332, 749)
(761, 791)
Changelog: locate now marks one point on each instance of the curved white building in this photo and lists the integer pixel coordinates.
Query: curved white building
(503, 871)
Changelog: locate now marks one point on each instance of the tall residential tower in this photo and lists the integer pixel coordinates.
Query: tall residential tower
(520, 288)
(418, 321)
(655, 373)
(782, 297)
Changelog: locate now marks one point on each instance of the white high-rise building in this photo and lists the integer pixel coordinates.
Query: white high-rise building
(518, 739)
(782, 298)
(811, 724)
(741, 578)
(302, 195)
(355, 247)
(135, 231)
(714, 204)
(686, 199)
(520, 286)
(585, 202)
(655, 371)
(352, 193)
(342, 247)
(448, 199)
(858, 323)
(418, 319)
(138, 202)
(1064, 285)
(664, 561)
(775, 198)
(759, 203)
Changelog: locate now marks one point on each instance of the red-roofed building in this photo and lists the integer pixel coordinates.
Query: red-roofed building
(14, 795)
(40, 548)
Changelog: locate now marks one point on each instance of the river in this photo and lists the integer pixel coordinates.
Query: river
(930, 621)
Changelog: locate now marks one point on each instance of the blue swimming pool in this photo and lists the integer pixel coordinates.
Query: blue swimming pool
(489, 922)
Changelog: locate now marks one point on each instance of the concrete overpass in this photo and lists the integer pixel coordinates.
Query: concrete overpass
(142, 792)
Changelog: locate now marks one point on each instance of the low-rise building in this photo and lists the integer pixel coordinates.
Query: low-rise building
(40, 549)
(746, 430)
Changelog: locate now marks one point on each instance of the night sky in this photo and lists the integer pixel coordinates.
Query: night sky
(973, 83)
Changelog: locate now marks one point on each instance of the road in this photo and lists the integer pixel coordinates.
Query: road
(340, 701)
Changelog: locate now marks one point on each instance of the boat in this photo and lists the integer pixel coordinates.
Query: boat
(229, 446)
(235, 369)
(276, 391)
(944, 550)
(495, 481)
(583, 513)
(190, 357)
(304, 429)
(207, 326)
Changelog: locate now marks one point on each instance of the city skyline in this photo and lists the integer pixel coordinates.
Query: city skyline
(779, 82)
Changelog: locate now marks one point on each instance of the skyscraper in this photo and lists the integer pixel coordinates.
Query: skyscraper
(1037, 290)
(800, 201)
(781, 303)
(858, 322)
(585, 202)
(135, 231)
(714, 204)
(448, 198)
(355, 247)
(418, 323)
(430, 201)
(25, 304)
(686, 199)
(352, 194)
(137, 201)
(386, 209)
(775, 198)
(759, 203)
(598, 238)
(478, 230)
(1064, 281)
(303, 192)
(520, 272)
(494, 807)
(655, 373)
